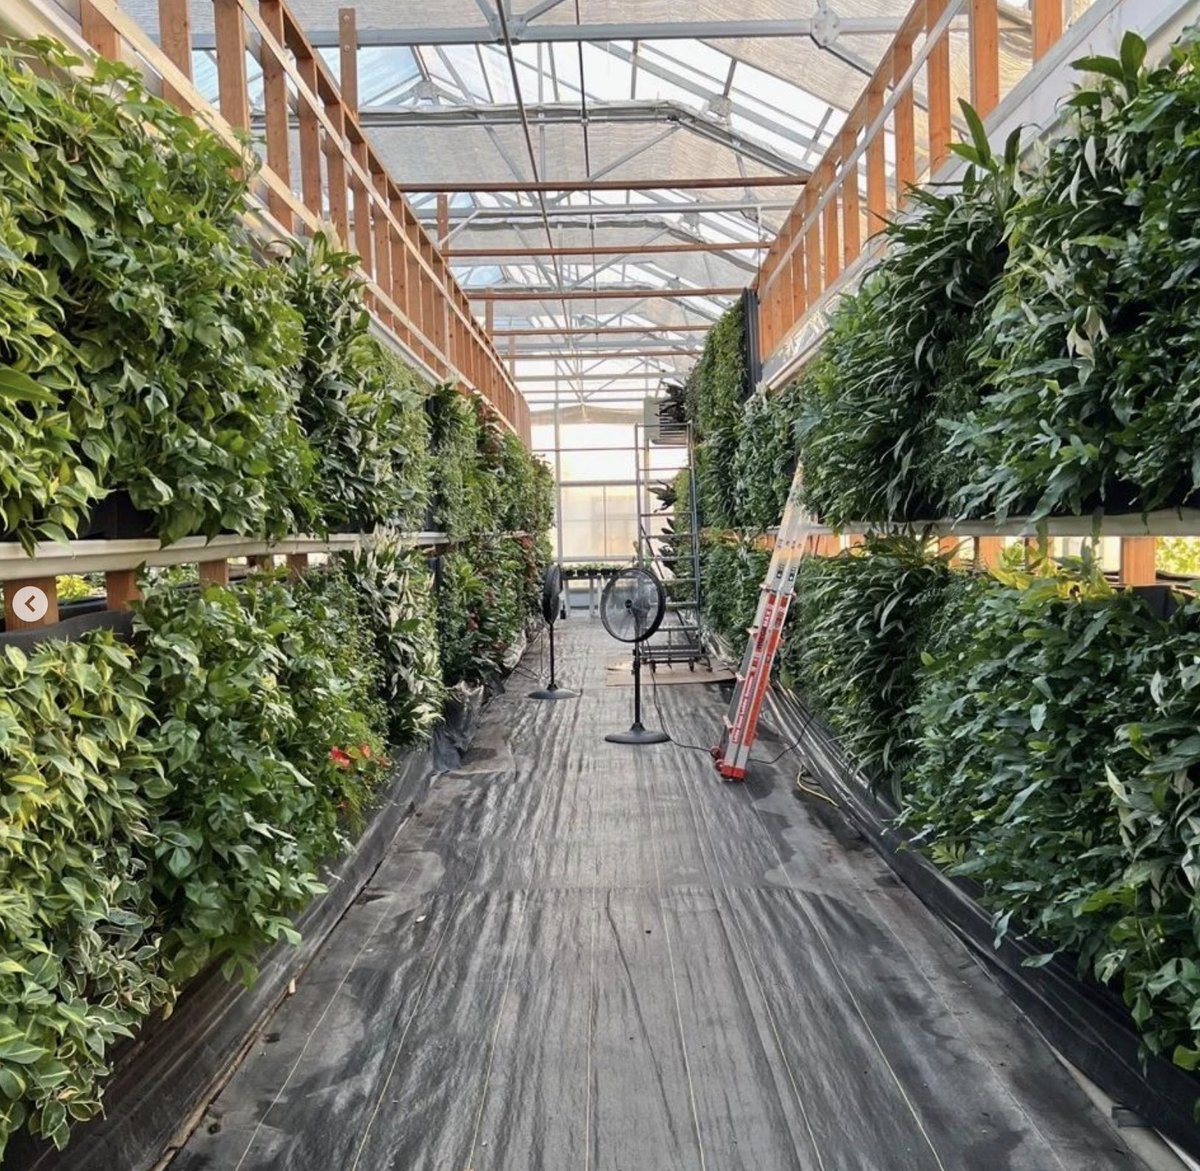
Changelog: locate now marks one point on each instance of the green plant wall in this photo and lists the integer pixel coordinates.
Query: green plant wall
(168, 805)
(713, 397)
(146, 347)
(1093, 350)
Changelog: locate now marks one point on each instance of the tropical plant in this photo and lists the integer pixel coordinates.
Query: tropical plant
(856, 631)
(1056, 767)
(79, 961)
(166, 371)
(485, 593)
(894, 369)
(714, 393)
(733, 572)
(357, 402)
(264, 736)
(457, 498)
(764, 459)
(1093, 344)
(395, 597)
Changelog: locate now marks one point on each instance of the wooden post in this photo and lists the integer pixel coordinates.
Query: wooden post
(812, 248)
(363, 235)
(175, 36)
(443, 219)
(24, 601)
(297, 563)
(215, 572)
(335, 169)
(1138, 561)
(1047, 26)
(275, 109)
(937, 80)
(985, 56)
(876, 166)
(98, 32)
(851, 204)
(348, 57)
(121, 588)
(309, 135)
(831, 250)
(230, 35)
(264, 562)
(988, 551)
(906, 137)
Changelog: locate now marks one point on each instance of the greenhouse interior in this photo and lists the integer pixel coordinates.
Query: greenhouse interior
(600, 580)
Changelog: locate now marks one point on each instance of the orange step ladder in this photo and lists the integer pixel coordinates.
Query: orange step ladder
(798, 533)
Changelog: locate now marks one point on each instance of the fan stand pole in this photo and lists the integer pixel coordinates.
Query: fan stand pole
(637, 734)
(553, 691)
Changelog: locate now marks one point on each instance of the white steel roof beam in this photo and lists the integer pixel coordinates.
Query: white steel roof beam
(530, 32)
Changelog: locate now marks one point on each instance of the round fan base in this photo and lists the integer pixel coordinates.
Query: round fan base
(638, 735)
(554, 693)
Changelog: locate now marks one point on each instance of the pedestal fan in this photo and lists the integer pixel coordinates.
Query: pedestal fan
(551, 603)
(631, 608)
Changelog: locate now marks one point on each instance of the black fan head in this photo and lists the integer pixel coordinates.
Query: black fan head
(551, 592)
(632, 605)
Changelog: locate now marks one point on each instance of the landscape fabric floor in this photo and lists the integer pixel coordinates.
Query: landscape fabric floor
(584, 955)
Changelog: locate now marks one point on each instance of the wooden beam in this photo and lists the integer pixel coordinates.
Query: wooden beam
(830, 248)
(601, 250)
(876, 166)
(175, 36)
(1138, 561)
(902, 114)
(98, 31)
(275, 104)
(1047, 26)
(576, 185)
(937, 81)
(632, 293)
(348, 57)
(851, 203)
(214, 572)
(232, 94)
(984, 20)
(308, 126)
(564, 330)
(443, 219)
(25, 598)
(600, 355)
(988, 551)
(121, 588)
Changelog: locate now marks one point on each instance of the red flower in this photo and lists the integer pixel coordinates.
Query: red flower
(339, 758)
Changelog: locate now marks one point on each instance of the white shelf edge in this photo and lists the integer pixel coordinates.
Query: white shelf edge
(51, 558)
(1183, 522)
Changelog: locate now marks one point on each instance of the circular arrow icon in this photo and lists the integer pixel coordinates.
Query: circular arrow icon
(30, 604)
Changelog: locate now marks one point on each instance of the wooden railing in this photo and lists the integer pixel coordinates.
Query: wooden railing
(825, 232)
(341, 179)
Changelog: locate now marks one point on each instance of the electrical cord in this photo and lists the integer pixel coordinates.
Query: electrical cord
(708, 751)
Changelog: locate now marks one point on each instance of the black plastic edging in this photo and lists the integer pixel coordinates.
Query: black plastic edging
(1084, 1021)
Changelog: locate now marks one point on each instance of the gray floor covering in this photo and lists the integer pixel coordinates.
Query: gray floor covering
(580, 955)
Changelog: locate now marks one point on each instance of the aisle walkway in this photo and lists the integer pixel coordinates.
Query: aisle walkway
(580, 955)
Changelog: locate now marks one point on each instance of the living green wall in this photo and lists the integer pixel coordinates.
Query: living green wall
(1027, 344)
(169, 803)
